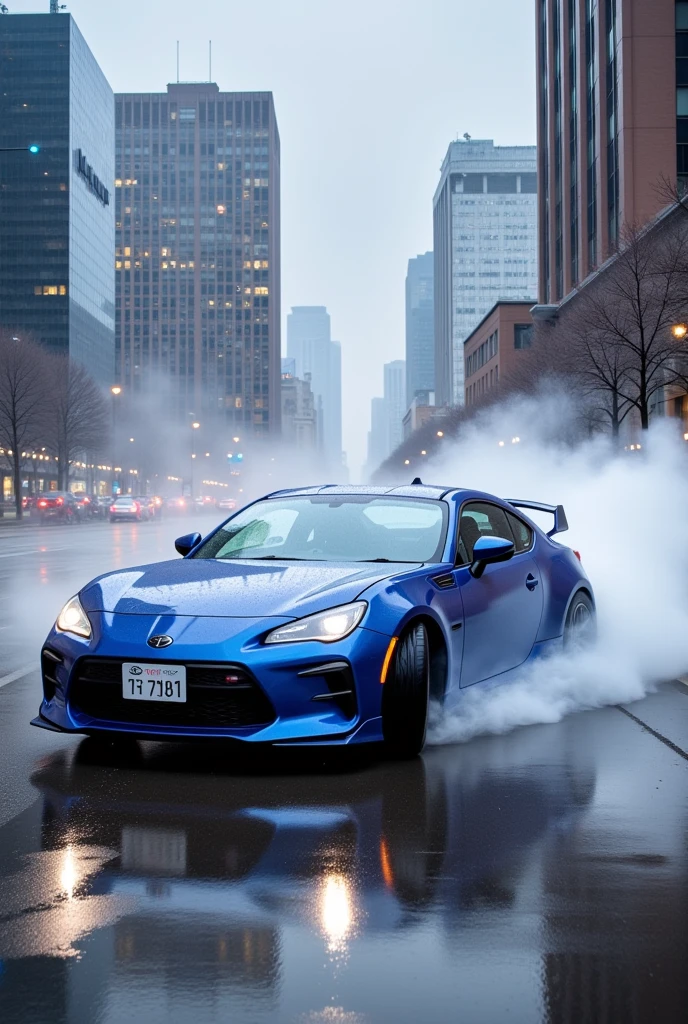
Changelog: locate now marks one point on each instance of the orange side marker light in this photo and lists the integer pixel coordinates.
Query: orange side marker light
(388, 658)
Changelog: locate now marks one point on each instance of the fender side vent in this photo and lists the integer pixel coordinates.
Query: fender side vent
(444, 582)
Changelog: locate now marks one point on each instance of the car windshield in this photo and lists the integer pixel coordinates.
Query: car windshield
(342, 528)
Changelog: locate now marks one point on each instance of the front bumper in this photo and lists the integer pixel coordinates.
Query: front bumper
(304, 704)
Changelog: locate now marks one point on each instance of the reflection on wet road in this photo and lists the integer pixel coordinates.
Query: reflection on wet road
(540, 876)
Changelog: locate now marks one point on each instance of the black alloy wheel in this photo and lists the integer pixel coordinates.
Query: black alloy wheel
(580, 629)
(406, 694)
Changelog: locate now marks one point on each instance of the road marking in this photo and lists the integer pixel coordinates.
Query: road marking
(32, 551)
(13, 676)
(653, 732)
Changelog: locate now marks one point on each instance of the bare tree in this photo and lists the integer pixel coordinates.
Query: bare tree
(23, 402)
(624, 321)
(79, 419)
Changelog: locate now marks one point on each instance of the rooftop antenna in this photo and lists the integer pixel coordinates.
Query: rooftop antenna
(4, 9)
(467, 137)
(56, 7)
(177, 62)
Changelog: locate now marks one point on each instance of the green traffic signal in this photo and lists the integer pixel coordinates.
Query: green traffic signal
(34, 149)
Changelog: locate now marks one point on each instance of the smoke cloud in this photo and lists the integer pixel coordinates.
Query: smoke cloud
(626, 517)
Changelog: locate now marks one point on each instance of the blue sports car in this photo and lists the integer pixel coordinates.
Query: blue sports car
(321, 615)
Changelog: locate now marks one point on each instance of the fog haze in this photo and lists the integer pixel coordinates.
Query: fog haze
(368, 97)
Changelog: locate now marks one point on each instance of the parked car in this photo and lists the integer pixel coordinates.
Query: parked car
(205, 503)
(100, 505)
(85, 503)
(126, 507)
(178, 506)
(227, 504)
(29, 501)
(60, 506)
(147, 503)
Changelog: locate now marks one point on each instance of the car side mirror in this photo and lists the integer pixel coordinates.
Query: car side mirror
(187, 542)
(487, 550)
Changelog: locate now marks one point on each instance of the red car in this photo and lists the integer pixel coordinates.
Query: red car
(61, 506)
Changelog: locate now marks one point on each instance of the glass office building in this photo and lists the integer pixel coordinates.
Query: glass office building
(57, 211)
(198, 254)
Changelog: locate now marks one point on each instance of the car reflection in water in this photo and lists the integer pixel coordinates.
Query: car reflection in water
(241, 889)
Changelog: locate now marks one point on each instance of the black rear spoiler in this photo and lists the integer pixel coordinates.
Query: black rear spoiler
(560, 521)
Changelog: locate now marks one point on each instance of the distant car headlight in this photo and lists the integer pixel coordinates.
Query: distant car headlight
(73, 619)
(333, 624)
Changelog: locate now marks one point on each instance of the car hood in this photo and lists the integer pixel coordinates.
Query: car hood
(193, 586)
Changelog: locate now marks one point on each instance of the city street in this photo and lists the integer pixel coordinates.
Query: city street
(536, 876)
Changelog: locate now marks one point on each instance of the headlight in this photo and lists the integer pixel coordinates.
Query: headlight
(73, 619)
(334, 624)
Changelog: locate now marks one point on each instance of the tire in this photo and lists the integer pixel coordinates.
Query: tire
(406, 695)
(580, 629)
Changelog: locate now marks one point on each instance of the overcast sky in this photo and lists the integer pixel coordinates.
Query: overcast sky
(368, 93)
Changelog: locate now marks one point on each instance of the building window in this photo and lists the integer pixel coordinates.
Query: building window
(590, 135)
(573, 139)
(523, 335)
(544, 152)
(50, 289)
(612, 126)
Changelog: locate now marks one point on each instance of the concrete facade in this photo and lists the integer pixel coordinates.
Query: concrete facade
(612, 77)
(485, 246)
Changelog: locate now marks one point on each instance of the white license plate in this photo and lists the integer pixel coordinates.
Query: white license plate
(154, 682)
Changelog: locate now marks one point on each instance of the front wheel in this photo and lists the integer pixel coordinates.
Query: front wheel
(406, 695)
(580, 629)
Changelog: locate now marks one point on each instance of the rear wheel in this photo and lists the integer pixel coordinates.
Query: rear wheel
(406, 694)
(580, 629)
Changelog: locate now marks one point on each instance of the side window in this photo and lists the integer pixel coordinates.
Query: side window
(480, 519)
(523, 535)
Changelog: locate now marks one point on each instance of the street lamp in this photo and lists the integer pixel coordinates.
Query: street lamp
(194, 426)
(115, 390)
(33, 149)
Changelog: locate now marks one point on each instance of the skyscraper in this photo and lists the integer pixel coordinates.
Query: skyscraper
(612, 124)
(378, 443)
(395, 402)
(57, 217)
(485, 246)
(387, 416)
(420, 326)
(309, 344)
(198, 252)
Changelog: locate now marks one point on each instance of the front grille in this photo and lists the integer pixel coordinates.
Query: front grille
(211, 702)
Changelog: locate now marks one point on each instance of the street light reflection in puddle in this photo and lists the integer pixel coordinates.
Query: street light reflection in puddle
(69, 875)
(337, 913)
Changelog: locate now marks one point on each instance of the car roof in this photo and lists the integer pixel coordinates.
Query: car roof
(404, 491)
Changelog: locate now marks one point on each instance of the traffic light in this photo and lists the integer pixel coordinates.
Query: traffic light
(232, 457)
(33, 148)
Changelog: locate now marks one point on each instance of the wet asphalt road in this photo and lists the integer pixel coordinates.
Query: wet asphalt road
(538, 876)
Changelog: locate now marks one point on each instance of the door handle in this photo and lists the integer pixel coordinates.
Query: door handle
(531, 582)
